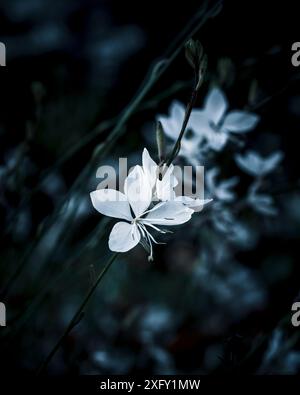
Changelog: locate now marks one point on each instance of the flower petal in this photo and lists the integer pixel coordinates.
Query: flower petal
(111, 203)
(169, 213)
(149, 167)
(215, 105)
(272, 161)
(222, 189)
(250, 162)
(123, 237)
(240, 121)
(203, 127)
(165, 186)
(200, 123)
(195, 204)
(138, 190)
(172, 123)
(217, 140)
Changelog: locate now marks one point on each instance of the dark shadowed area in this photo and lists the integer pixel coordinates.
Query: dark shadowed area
(217, 297)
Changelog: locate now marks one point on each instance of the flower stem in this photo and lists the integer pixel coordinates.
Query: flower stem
(77, 316)
(199, 69)
(187, 115)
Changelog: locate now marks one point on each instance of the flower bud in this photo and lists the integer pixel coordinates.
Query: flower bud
(253, 93)
(38, 91)
(193, 53)
(226, 72)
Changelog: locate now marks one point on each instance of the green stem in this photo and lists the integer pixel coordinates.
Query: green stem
(187, 115)
(77, 316)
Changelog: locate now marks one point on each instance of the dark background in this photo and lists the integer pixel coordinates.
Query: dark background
(73, 64)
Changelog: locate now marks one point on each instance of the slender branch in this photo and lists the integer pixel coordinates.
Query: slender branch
(187, 115)
(198, 82)
(77, 316)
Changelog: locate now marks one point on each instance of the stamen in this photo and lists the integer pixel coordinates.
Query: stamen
(147, 234)
(157, 229)
(141, 229)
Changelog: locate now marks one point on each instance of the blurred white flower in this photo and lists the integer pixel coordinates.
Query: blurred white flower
(221, 190)
(172, 124)
(213, 124)
(163, 187)
(113, 361)
(154, 321)
(222, 219)
(134, 207)
(233, 229)
(261, 202)
(279, 358)
(209, 127)
(254, 164)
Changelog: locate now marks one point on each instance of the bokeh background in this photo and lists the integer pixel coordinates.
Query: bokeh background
(209, 303)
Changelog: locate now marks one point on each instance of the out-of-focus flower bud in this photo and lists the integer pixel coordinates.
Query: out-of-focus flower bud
(194, 53)
(38, 91)
(226, 72)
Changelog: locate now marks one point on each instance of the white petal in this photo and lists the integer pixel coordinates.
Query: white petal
(210, 178)
(111, 203)
(229, 183)
(263, 203)
(172, 123)
(267, 210)
(221, 190)
(224, 192)
(165, 187)
(217, 140)
(215, 105)
(200, 123)
(169, 213)
(240, 121)
(149, 167)
(191, 142)
(194, 204)
(123, 237)
(250, 162)
(203, 127)
(177, 112)
(138, 190)
(272, 161)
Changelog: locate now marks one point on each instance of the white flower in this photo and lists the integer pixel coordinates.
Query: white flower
(261, 202)
(163, 189)
(255, 165)
(236, 231)
(133, 206)
(215, 124)
(220, 190)
(172, 124)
